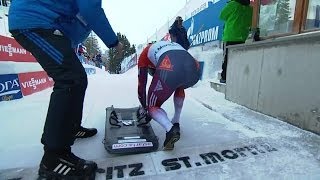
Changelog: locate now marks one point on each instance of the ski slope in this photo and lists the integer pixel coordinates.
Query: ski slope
(219, 139)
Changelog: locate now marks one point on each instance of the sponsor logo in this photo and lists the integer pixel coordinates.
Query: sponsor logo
(34, 83)
(166, 64)
(163, 46)
(202, 30)
(158, 86)
(12, 50)
(9, 87)
(199, 9)
(205, 36)
(7, 98)
(202, 36)
(132, 145)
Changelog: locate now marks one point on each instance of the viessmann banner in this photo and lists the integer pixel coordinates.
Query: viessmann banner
(205, 26)
(33, 82)
(10, 50)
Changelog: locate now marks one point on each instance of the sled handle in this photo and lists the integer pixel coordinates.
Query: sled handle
(114, 117)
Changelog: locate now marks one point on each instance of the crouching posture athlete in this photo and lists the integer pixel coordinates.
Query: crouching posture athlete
(173, 70)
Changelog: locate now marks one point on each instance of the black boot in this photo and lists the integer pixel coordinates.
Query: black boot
(85, 132)
(171, 137)
(65, 165)
(176, 126)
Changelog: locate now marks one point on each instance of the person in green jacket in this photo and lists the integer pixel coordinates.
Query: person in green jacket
(237, 16)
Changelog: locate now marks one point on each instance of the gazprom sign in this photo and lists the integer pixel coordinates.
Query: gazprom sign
(205, 26)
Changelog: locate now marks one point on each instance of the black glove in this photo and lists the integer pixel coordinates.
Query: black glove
(143, 116)
(141, 113)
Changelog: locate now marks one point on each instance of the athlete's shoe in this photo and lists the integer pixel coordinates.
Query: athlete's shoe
(171, 137)
(176, 126)
(66, 166)
(85, 132)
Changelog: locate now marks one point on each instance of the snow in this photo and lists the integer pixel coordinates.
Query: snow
(9, 67)
(209, 123)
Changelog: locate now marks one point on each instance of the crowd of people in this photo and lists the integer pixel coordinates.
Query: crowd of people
(55, 28)
(85, 58)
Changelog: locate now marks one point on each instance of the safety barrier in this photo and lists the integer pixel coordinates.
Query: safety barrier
(20, 74)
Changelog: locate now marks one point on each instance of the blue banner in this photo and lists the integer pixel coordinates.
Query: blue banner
(9, 87)
(90, 71)
(205, 26)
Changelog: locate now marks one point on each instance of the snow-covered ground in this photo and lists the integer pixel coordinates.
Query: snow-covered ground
(219, 140)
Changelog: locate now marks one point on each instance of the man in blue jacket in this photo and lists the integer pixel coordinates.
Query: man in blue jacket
(50, 30)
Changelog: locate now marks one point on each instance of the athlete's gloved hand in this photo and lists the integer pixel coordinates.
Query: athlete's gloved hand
(143, 116)
(120, 48)
(148, 118)
(141, 113)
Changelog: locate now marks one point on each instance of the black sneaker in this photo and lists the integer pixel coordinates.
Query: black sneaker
(177, 127)
(66, 166)
(171, 137)
(86, 132)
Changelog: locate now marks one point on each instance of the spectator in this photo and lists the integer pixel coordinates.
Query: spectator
(237, 15)
(98, 60)
(178, 33)
(80, 51)
(50, 30)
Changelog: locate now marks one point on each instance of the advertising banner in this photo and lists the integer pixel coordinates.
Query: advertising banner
(10, 50)
(132, 62)
(205, 26)
(90, 70)
(9, 87)
(34, 82)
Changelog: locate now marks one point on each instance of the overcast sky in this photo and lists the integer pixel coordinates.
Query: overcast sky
(139, 19)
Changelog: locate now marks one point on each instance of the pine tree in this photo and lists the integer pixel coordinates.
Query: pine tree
(283, 14)
(133, 49)
(92, 45)
(114, 63)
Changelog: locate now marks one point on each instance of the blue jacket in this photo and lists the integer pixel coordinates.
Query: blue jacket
(75, 18)
(181, 34)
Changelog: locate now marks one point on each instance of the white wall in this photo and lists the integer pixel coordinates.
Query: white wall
(212, 56)
(4, 21)
(279, 78)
